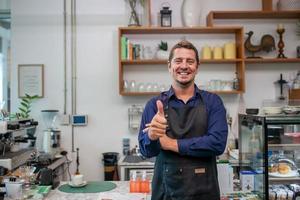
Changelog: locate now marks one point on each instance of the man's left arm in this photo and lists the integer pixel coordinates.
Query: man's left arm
(212, 143)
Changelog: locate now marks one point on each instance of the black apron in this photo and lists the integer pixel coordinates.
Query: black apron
(179, 177)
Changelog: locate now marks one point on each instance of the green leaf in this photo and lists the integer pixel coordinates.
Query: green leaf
(24, 104)
(25, 100)
(22, 110)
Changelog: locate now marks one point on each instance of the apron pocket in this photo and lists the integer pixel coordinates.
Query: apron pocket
(187, 180)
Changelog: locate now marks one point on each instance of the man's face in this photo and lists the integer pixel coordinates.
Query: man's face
(183, 67)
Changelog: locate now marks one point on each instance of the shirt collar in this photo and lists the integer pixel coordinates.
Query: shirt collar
(171, 93)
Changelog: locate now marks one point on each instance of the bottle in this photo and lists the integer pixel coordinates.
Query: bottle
(236, 82)
(145, 185)
(134, 183)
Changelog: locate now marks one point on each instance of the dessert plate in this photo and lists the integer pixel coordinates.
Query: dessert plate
(84, 183)
(293, 173)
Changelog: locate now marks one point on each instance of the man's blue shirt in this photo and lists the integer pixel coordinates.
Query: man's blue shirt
(212, 143)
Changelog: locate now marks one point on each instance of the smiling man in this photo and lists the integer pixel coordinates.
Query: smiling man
(186, 129)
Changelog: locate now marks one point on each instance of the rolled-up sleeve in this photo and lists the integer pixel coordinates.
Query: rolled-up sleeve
(148, 147)
(214, 141)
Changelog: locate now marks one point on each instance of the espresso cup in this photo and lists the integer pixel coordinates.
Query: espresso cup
(77, 179)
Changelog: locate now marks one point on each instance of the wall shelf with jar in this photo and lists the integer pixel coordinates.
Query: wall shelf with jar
(292, 14)
(137, 38)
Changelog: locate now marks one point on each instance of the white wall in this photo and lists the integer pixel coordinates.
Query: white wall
(37, 38)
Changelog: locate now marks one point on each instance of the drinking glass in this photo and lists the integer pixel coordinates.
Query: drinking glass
(132, 86)
(149, 87)
(155, 87)
(141, 87)
(162, 88)
(125, 86)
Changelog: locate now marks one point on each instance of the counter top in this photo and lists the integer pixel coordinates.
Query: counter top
(121, 192)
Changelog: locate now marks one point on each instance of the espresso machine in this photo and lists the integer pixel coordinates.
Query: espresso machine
(17, 142)
(51, 134)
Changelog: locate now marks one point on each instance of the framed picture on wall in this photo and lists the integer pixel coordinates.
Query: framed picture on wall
(31, 80)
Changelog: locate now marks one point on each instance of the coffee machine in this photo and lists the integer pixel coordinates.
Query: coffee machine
(51, 136)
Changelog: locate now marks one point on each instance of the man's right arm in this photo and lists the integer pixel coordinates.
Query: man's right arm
(148, 148)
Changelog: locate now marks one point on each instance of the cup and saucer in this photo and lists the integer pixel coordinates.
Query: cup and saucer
(77, 181)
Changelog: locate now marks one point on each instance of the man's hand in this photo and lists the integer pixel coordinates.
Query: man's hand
(168, 143)
(158, 125)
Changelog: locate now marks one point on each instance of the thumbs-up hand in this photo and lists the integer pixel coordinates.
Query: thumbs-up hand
(160, 108)
(157, 127)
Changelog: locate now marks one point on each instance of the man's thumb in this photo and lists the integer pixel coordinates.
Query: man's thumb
(160, 107)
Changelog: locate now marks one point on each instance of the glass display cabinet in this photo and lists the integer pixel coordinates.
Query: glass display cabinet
(269, 154)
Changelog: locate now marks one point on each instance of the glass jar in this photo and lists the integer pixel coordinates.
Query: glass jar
(134, 116)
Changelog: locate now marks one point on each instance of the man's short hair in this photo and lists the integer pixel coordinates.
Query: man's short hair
(184, 44)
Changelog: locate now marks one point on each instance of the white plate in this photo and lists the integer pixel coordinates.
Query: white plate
(293, 173)
(272, 110)
(84, 183)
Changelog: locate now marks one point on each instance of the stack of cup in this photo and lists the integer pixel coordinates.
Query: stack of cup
(229, 50)
(206, 52)
(218, 53)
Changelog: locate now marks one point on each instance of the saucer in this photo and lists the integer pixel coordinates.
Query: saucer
(84, 183)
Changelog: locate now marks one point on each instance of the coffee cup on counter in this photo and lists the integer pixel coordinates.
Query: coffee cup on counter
(77, 179)
(14, 189)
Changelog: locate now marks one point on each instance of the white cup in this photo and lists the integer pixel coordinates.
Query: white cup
(77, 179)
(14, 190)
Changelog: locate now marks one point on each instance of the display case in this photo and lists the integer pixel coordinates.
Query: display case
(269, 153)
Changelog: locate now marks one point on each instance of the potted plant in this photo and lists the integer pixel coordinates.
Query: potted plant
(162, 52)
(25, 105)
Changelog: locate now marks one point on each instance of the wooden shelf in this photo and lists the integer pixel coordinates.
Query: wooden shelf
(236, 31)
(221, 61)
(159, 62)
(272, 60)
(180, 30)
(143, 62)
(291, 14)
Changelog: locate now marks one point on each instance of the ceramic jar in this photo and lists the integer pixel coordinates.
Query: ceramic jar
(191, 13)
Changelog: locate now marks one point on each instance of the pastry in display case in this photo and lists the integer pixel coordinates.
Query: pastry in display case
(269, 146)
(279, 166)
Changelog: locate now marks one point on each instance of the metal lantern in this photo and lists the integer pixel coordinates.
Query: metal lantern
(166, 17)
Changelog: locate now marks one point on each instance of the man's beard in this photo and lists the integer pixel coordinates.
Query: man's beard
(185, 84)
